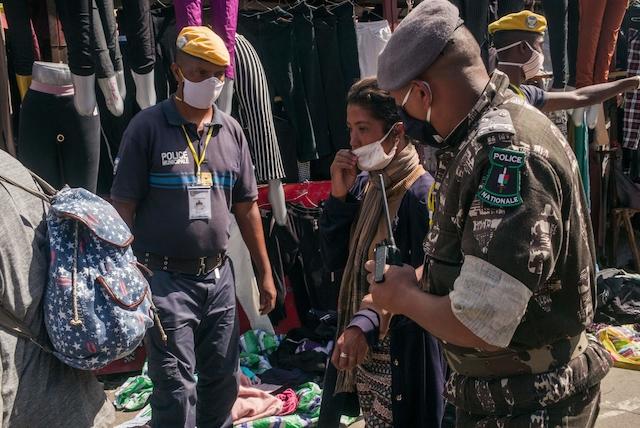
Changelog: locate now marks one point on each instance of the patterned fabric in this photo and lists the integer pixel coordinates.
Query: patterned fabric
(373, 382)
(632, 98)
(307, 413)
(546, 243)
(97, 302)
(579, 411)
(255, 348)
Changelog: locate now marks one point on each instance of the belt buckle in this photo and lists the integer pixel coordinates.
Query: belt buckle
(202, 268)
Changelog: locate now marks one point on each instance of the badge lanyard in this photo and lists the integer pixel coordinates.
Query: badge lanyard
(198, 159)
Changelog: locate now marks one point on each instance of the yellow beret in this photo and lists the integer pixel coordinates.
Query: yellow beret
(203, 43)
(521, 21)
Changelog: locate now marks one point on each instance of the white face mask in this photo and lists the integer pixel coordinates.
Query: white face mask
(529, 68)
(372, 157)
(203, 94)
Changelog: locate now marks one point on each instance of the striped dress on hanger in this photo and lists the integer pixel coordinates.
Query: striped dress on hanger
(256, 117)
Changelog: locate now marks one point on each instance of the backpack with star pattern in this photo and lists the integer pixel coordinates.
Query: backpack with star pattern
(97, 303)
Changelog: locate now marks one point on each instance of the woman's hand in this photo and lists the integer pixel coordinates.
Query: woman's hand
(343, 173)
(351, 349)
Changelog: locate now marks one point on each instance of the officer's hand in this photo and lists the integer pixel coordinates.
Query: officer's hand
(391, 293)
(343, 173)
(350, 350)
(267, 295)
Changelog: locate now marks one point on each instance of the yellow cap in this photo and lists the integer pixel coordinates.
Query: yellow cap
(203, 43)
(521, 21)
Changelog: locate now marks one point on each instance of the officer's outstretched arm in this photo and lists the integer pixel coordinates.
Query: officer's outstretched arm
(589, 95)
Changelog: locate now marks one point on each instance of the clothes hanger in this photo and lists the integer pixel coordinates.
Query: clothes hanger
(369, 11)
(250, 5)
(303, 195)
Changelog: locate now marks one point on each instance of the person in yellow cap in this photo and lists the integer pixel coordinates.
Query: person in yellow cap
(518, 39)
(182, 168)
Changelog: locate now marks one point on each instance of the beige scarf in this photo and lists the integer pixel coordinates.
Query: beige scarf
(368, 231)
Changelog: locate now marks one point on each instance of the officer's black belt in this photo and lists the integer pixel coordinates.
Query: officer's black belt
(197, 266)
(508, 362)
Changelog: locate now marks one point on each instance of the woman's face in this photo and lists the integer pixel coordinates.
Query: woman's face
(365, 129)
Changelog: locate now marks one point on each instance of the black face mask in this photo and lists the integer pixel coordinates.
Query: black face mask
(420, 130)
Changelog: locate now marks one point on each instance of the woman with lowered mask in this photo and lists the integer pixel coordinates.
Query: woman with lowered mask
(395, 367)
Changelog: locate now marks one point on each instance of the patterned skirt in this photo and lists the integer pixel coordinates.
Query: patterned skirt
(373, 382)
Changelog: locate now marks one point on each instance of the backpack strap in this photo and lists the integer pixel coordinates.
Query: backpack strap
(19, 329)
(48, 190)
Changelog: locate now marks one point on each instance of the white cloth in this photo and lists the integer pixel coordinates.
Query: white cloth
(246, 284)
(489, 301)
(372, 38)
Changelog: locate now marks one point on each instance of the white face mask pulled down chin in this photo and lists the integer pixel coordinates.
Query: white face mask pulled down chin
(530, 68)
(372, 157)
(201, 95)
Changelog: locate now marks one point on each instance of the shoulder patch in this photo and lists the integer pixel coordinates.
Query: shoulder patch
(501, 185)
(496, 122)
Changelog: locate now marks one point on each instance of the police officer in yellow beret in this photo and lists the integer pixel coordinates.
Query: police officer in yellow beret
(518, 39)
(182, 168)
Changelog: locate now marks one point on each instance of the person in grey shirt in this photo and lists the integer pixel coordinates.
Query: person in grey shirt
(37, 389)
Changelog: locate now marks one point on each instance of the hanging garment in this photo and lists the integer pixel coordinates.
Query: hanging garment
(334, 81)
(347, 42)
(55, 141)
(475, 14)
(164, 31)
(223, 20)
(91, 36)
(135, 21)
(255, 115)
(306, 51)
(372, 38)
(600, 22)
(246, 284)
(225, 100)
(632, 98)
(19, 35)
(271, 34)
(562, 18)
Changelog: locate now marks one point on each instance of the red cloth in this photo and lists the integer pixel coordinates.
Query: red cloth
(289, 402)
(308, 194)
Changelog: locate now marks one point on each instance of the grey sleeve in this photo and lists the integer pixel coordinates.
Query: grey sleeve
(245, 188)
(131, 170)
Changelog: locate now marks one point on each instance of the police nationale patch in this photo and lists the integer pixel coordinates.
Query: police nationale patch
(501, 185)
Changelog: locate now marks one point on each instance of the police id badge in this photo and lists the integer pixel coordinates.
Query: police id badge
(501, 185)
(199, 202)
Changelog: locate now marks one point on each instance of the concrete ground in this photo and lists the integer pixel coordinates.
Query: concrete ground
(620, 406)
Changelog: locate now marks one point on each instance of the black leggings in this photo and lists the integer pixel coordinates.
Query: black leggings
(90, 32)
(57, 143)
(20, 38)
(135, 20)
(562, 16)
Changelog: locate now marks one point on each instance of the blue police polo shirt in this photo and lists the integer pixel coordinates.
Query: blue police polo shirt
(154, 167)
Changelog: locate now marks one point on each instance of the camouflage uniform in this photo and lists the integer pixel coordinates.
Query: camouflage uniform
(511, 229)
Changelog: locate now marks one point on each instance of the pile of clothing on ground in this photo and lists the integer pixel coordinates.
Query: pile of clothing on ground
(279, 382)
(617, 317)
